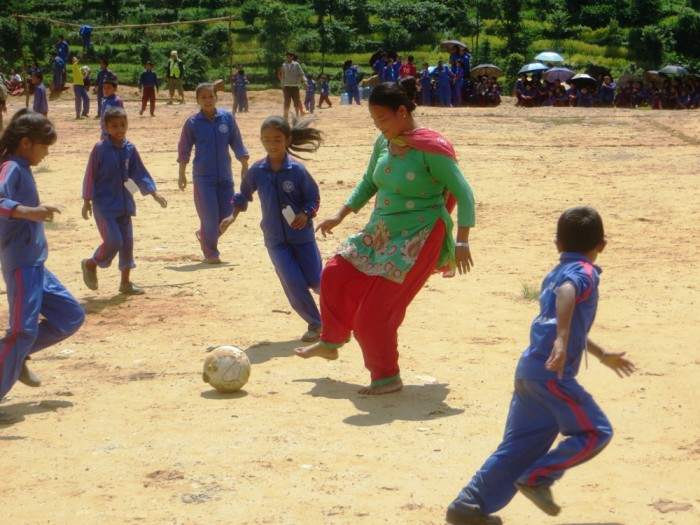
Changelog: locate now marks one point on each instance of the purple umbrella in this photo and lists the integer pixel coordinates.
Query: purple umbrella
(562, 74)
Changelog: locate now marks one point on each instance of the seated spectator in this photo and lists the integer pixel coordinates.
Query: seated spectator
(638, 96)
(560, 98)
(493, 95)
(683, 99)
(549, 98)
(572, 95)
(585, 98)
(519, 86)
(653, 97)
(606, 92)
(528, 96)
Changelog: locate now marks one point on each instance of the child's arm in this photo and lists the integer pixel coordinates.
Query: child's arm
(228, 221)
(160, 200)
(182, 177)
(34, 213)
(566, 301)
(614, 360)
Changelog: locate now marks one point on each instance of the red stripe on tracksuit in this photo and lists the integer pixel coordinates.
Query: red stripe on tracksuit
(588, 268)
(586, 425)
(16, 321)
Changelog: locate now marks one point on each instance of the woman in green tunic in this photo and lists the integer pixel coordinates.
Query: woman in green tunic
(367, 286)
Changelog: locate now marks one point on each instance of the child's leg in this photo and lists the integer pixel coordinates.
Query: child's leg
(62, 314)
(126, 251)
(299, 268)
(24, 292)
(530, 431)
(213, 204)
(78, 100)
(357, 94)
(152, 99)
(86, 101)
(100, 96)
(110, 232)
(579, 418)
(383, 308)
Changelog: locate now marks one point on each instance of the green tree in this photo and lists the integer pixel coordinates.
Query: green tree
(510, 25)
(276, 33)
(644, 12)
(687, 33)
(647, 45)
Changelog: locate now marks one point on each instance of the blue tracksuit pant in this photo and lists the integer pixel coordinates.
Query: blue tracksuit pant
(117, 238)
(353, 91)
(298, 267)
(213, 201)
(34, 291)
(539, 411)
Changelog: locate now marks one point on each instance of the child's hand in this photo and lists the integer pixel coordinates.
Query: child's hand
(300, 220)
(557, 358)
(160, 200)
(618, 363)
(225, 223)
(87, 210)
(41, 213)
(182, 181)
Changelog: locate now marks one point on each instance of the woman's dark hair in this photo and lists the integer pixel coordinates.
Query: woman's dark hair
(26, 123)
(304, 137)
(395, 94)
(580, 229)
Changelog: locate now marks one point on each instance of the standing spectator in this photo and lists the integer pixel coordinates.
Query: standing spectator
(458, 84)
(408, 69)
(62, 52)
(466, 59)
(241, 95)
(310, 98)
(82, 100)
(291, 75)
(233, 79)
(444, 82)
(606, 92)
(325, 91)
(350, 73)
(426, 86)
(390, 74)
(379, 66)
(148, 85)
(99, 85)
(59, 67)
(175, 72)
(41, 103)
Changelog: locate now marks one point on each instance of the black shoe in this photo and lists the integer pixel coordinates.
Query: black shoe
(27, 377)
(131, 289)
(460, 519)
(540, 495)
(89, 276)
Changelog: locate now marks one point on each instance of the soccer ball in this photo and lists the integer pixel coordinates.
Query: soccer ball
(227, 369)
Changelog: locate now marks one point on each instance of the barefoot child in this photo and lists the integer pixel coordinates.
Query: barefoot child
(211, 132)
(113, 173)
(548, 400)
(283, 183)
(31, 289)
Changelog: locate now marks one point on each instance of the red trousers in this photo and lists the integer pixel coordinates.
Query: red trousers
(372, 307)
(149, 96)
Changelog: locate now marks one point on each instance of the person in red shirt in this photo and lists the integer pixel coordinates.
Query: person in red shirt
(408, 69)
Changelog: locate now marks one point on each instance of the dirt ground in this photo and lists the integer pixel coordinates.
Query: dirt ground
(124, 431)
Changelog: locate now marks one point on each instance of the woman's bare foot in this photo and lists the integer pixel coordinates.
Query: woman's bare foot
(394, 386)
(317, 350)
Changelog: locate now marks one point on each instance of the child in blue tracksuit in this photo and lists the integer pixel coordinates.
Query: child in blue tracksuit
(289, 198)
(109, 99)
(211, 132)
(113, 173)
(99, 85)
(41, 101)
(32, 291)
(325, 92)
(350, 74)
(548, 400)
(444, 76)
(426, 86)
(241, 91)
(310, 98)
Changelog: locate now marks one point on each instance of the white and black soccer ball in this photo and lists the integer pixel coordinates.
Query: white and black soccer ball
(226, 368)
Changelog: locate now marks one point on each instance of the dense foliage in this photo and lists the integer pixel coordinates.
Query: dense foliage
(625, 36)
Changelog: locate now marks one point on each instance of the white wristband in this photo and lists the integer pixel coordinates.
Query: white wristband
(462, 244)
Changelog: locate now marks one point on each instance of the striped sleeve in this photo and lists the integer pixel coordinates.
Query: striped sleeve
(7, 181)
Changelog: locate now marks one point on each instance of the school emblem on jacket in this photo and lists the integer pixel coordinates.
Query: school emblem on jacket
(223, 128)
(288, 186)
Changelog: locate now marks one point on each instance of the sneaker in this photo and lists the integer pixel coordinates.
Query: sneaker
(212, 260)
(311, 336)
(89, 276)
(27, 377)
(453, 518)
(131, 289)
(540, 495)
(8, 419)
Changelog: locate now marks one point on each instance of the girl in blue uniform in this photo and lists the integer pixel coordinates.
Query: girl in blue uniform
(114, 165)
(310, 98)
(350, 74)
(211, 132)
(289, 198)
(426, 86)
(31, 289)
(444, 84)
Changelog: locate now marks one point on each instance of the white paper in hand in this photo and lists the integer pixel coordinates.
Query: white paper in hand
(131, 186)
(288, 213)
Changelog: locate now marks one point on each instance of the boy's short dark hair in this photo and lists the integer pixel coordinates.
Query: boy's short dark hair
(38, 74)
(113, 112)
(580, 229)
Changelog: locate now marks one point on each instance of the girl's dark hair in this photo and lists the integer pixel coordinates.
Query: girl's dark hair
(204, 85)
(395, 94)
(26, 123)
(304, 137)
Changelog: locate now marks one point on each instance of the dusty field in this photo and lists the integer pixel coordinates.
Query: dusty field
(123, 429)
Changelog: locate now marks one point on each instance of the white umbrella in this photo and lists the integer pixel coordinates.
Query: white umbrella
(549, 56)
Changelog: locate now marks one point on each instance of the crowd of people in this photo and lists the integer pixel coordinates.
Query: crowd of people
(662, 93)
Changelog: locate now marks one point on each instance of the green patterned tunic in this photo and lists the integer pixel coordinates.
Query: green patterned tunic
(410, 199)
